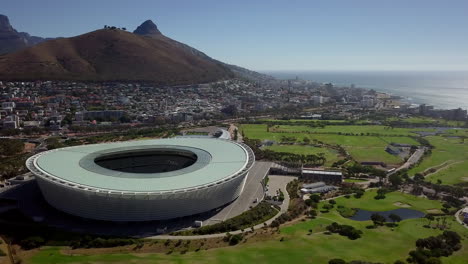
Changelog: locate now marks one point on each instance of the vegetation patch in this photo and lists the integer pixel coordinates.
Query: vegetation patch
(347, 212)
(257, 215)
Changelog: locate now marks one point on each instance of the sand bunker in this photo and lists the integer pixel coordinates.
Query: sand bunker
(399, 204)
(434, 211)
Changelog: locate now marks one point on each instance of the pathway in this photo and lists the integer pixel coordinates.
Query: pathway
(284, 208)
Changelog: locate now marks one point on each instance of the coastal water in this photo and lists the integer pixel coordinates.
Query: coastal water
(444, 90)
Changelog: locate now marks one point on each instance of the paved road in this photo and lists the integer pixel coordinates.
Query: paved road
(417, 155)
(253, 190)
(458, 219)
(284, 208)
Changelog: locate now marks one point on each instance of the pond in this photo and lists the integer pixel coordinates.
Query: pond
(404, 213)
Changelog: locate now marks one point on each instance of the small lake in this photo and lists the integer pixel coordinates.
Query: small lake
(404, 213)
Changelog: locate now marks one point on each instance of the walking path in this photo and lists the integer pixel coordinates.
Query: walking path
(457, 214)
(284, 208)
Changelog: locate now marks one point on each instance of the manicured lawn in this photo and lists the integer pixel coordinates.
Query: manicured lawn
(429, 120)
(454, 173)
(367, 202)
(451, 150)
(330, 154)
(383, 244)
(355, 180)
(362, 148)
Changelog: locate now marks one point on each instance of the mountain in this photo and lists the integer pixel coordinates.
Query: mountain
(148, 28)
(114, 55)
(12, 40)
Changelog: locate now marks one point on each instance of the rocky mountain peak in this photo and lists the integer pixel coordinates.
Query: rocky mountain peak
(5, 24)
(147, 28)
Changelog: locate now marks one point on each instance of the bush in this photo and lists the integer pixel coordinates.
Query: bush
(257, 215)
(98, 242)
(32, 242)
(345, 230)
(336, 261)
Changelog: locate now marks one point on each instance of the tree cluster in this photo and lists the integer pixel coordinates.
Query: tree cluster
(256, 215)
(345, 230)
(428, 250)
(9, 147)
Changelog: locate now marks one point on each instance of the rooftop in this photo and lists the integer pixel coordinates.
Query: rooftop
(217, 160)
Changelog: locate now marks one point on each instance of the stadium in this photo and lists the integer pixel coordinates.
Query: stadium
(143, 180)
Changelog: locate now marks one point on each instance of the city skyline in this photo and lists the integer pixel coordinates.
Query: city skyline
(323, 35)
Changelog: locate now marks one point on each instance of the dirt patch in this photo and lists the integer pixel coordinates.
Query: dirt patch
(434, 211)
(464, 179)
(400, 204)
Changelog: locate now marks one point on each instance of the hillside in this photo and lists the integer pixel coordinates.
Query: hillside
(113, 55)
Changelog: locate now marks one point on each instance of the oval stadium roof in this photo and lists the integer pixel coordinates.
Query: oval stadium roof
(217, 160)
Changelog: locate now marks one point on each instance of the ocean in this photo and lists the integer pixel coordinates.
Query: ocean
(444, 90)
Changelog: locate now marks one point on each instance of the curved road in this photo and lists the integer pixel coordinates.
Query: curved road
(284, 208)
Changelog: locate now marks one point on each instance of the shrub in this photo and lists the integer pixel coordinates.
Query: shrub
(345, 230)
(32, 242)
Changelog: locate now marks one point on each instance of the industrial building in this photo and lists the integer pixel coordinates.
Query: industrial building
(322, 175)
(317, 187)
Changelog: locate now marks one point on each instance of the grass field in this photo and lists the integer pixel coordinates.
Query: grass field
(455, 172)
(429, 120)
(298, 246)
(362, 148)
(330, 154)
(355, 180)
(450, 150)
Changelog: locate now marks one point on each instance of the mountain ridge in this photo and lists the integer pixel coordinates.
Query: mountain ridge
(112, 54)
(11, 40)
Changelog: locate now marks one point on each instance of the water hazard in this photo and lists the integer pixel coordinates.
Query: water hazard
(403, 213)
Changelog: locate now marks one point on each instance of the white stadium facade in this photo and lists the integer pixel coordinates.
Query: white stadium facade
(143, 180)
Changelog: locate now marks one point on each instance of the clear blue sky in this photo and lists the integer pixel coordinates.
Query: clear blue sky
(277, 35)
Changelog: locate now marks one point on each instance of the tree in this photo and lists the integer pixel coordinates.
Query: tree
(359, 193)
(230, 110)
(312, 213)
(429, 218)
(327, 207)
(395, 179)
(306, 140)
(378, 219)
(336, 261)
(394, 218)
(418, 177)
(315, 198)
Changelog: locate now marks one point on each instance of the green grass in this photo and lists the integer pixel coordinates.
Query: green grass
(383, 244)
(450, 150)
(362, 148)
(367, 202)
(355, 180)
(429, 120)
(330, 154)
(454, 173)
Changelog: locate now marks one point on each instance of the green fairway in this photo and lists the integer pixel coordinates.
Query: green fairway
(367, 202)
(362, 148)
(330, 154)
(451, 151)
(453, 173)
(299, 246)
